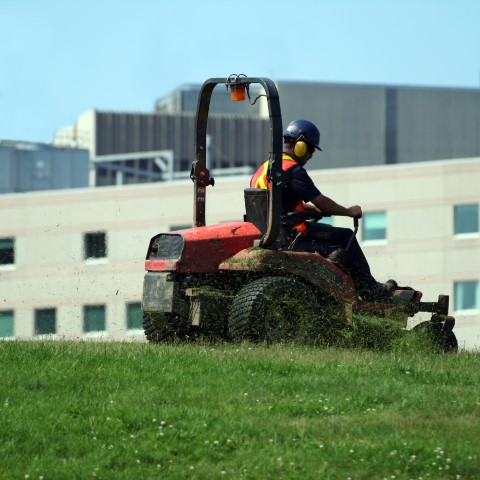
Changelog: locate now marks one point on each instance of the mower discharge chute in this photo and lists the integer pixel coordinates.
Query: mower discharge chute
(245, 280)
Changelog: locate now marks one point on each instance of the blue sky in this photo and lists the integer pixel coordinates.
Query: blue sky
(62, 58)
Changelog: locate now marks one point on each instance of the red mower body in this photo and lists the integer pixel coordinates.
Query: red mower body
(200, 249)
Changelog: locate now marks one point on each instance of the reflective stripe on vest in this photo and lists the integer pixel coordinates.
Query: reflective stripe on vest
(260, 177)
(260, 180)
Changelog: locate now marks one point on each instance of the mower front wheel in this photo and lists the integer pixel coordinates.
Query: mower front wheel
(274, 309)
(436, 336)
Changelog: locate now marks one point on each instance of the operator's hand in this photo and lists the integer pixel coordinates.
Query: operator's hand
(355, 211)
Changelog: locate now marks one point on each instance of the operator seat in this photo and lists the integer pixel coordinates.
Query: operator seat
(256, 208)
(256, 212)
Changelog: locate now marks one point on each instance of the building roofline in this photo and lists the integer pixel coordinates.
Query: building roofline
(377, 85)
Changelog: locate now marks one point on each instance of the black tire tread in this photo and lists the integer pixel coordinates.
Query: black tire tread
(245, 322)
(441, 340)
(164, 327)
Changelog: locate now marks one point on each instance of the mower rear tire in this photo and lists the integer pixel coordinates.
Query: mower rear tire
(165, 327)
(273, 310)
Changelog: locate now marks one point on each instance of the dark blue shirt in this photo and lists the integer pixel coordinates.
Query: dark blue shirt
(298, 186)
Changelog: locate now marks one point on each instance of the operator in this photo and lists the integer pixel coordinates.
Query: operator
(301, 139)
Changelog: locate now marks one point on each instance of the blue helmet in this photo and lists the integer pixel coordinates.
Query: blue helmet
(303, 130)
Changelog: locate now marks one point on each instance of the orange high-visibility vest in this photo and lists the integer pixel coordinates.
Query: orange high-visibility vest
(260, 180)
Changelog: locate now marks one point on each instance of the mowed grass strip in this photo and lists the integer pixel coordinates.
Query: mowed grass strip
(215, 411)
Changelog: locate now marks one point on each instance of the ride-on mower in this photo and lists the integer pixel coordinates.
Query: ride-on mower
(250, 280)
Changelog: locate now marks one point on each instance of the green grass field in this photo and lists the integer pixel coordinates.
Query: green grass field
(214, 411)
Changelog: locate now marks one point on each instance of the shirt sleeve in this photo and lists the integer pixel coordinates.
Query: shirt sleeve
(301, 183)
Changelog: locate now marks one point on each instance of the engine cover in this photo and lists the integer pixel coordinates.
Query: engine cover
(200, 249)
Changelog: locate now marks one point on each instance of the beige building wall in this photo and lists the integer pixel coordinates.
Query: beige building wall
(50, 271)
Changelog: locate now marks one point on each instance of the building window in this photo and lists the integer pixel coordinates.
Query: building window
(6, 324)
(7, 251)
(174, 228)
(134, 316)
(374, 226)
(45, 321)
(466, 219)
(95, 245)
(93, 318)
(467, 295)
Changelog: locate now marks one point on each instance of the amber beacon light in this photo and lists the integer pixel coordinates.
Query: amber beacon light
(237, 90)
(237, 93)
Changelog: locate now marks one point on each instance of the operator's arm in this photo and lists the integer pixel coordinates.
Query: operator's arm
(310, 207)
(301, 183)
(330, 207)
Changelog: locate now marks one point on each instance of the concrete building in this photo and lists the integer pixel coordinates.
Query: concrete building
(72, 261)
(27, 166)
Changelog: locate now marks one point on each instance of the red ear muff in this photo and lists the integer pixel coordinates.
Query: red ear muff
(300, 148)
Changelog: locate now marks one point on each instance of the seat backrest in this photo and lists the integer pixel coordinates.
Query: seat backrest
(256, 212)
(256, 207)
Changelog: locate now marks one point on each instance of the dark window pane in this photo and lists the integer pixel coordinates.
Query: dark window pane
(174, 228)
(374, 226)
(134, 316)
(7, 251)
(466, 219)
(6, 323)
(95, 245)
(94, 318)
(45, 321)
(467, 295)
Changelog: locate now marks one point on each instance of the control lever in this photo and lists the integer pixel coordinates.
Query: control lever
(354, 234)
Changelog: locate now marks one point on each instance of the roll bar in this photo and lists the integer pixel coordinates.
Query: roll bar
(200, 173)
